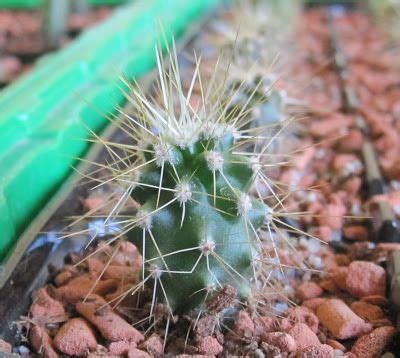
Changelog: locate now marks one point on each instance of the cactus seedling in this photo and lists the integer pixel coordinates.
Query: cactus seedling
(197, 226)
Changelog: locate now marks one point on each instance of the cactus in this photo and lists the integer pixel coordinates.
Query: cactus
(197, 225)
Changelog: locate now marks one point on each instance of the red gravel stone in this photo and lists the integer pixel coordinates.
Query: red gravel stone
(365, 279)
(308, 290)
(5, 347)
(339, 276)
(314, 303)
(377, 300)
(75, 338)
(263, 324)
(244, 326)
(41, 342)
(209, 346)
(340, 320)
(153, 345)
(336, 345)
(355, 232)
(303, 336)
(79, 287)
(110, 325)
(120, 348)
(367, 311)
(137, 353)
(45, 306)
(372, 345)
(318, 351)
(301, 314)
(285, 342)
(329, 285)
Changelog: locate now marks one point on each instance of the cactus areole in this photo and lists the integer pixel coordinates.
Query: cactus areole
(198, 229)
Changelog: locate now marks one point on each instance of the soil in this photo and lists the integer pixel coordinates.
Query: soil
(337, 304)
(21, 42)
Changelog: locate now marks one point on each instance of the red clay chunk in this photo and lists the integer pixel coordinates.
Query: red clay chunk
(41, 342)
(154, 345)
(308, 290)
(372, 345)
(5, 347)
(318, 351)
(303, 336)
(81, 286)
(367, 311)
(75, 338)
(137, 353)
(339, 276)
(340, 320)
(365, 279)
(314, 303)
(355, 232)
(110, 325)
(284, 341)
(45, 306)
(209, 346)
(120, 348)
(301, 314)
(244, 326)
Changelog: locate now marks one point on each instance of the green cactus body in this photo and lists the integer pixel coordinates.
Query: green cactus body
(201, 233)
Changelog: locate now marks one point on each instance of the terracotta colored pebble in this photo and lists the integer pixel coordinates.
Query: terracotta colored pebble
(381, 322)
(283, 341)
(75, 338)
(128, 255)
(79, 287)
(209, 346)
(124, 273)
(339, 276)
(389, 247)
(93, 203)
(41, 342)
(330, 126)
(332, 216)
(336, 345)
(378, 300)
(365, 279)
(63, 277)
(303, 336)
(120, 348)
(355, 232)
(263, 324)
(372, 345)
(329, 285)
(9, 68)
(5, 347)
(301, 314)
(342, 259)
(308, 290)
(314, 303)
(137, 353)
(154, 345)
(244, 326)
(352, 142)
(367, 311)
(45, 306)
(317, 351)
(340, 320)
(110, 325)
